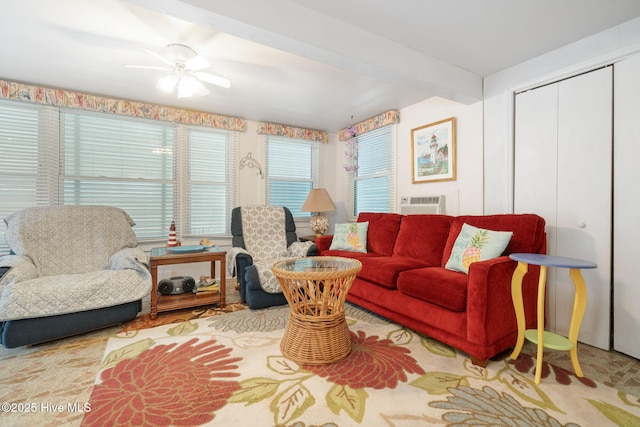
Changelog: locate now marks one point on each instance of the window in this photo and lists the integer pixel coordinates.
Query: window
(292, 171)
(24, 161)
(122, 162)
(372, 183)
(156, 171)
(210, 188)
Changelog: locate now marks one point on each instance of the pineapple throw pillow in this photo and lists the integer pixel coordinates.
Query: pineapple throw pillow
(476, 244)
(350, 237)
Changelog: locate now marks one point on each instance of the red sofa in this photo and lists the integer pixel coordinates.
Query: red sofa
(403, 278)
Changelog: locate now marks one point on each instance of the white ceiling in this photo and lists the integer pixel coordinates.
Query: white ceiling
(305, 63)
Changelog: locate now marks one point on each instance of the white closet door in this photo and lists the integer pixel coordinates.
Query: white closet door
(584, 199)
(626, 234)
(535, 168)
(562, 172)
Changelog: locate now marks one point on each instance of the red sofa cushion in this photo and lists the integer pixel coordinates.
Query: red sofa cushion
(384, 271)
(436, 285)
(423, 237)
(528, 231)
(382, 231)
(348, 254)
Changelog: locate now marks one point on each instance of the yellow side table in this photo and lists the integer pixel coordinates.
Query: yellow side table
(539, 336)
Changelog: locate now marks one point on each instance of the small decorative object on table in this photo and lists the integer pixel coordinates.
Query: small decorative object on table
(172, 242)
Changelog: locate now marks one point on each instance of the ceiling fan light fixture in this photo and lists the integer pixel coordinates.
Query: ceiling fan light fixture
(185, 65)
(168, 83)
(190, 86)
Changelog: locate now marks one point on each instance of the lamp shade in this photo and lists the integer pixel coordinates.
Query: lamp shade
(318, 200)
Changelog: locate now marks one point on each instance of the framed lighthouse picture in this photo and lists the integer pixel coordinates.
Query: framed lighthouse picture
(433, 152)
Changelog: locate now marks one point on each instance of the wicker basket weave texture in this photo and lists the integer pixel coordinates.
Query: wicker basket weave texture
(317, 332)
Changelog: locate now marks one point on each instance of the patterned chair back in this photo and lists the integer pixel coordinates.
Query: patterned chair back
(261, 229)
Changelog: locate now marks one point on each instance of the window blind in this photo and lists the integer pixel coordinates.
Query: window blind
(210, 187)
(117, 161)
(28, 165)
(51, 156)
(373, 183)
(292, 171)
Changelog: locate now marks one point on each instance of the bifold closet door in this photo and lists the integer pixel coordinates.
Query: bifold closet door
(626, 234)
(536, 169)
(563, 172)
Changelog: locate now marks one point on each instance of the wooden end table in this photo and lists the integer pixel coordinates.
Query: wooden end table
(167, 256)
(316, 289)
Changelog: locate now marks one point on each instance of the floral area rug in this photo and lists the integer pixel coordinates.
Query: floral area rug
(229, 370)
(144, 321)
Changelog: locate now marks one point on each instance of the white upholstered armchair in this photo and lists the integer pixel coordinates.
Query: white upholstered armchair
(72, 269)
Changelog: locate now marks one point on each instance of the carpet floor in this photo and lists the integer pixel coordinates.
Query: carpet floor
(224, 367)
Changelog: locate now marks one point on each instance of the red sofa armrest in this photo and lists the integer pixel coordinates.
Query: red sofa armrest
(323, 243)
(490, 312)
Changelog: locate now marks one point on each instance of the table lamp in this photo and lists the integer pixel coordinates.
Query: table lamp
(318, 201)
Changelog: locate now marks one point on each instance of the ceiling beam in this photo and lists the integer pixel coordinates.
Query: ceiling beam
(290, 27)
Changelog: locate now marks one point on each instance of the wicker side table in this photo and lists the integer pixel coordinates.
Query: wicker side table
(316, 288)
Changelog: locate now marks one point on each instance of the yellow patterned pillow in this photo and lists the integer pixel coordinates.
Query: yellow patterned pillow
(350, 237)
(476, 244)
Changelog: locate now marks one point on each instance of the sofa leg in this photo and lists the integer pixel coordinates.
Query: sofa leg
(479, 362)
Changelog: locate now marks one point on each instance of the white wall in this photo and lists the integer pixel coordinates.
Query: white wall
(250, 183)
(601, 49)
(334, 179)
(464, 195)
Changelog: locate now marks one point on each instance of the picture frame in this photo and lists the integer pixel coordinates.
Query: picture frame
(433, 152)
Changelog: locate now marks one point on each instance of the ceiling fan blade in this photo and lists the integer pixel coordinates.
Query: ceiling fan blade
(160, 57)
(197, 63)
(214, 80)
(148, 67)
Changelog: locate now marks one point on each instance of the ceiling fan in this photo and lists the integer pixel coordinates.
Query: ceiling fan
(186, 76)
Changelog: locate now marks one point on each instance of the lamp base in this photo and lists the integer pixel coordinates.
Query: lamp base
(319, 223)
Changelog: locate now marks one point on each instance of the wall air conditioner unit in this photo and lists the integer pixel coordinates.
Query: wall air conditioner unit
(422, 205)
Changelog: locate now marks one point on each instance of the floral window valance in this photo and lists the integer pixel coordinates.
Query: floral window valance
(81, 101)
(292, 132)
(381, 120)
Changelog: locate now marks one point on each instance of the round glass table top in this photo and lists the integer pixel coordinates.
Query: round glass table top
(317, 264)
